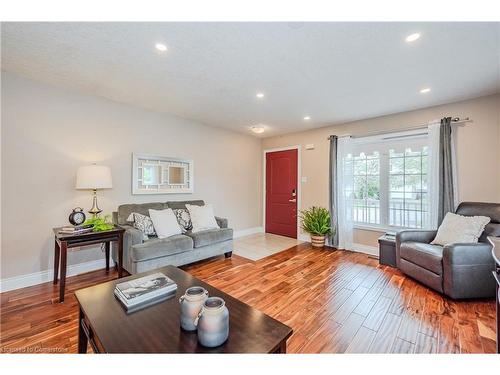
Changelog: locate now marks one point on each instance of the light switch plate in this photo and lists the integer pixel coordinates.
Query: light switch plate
(303, 179)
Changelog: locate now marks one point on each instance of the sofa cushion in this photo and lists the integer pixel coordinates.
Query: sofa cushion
(125, 210)
(424, 255)
(184, 219)
(202, 217)
(143, 223)
(156, 247)
(176, 205)
(165, 223)
(210, 236)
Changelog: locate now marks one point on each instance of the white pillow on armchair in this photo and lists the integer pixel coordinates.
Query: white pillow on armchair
(460, 229)
(202, 217)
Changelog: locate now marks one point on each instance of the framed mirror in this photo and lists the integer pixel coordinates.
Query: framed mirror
(153, 174)
(176, 175)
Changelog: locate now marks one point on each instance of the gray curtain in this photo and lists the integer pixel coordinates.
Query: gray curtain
(446, 190)
(333, 204)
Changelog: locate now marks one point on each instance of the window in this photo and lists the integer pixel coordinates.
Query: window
(408, 188)
(388, 185)
(366, 187)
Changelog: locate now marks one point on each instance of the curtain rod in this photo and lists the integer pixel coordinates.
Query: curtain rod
(454, 121)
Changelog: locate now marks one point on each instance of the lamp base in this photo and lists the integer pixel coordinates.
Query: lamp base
(95, 210)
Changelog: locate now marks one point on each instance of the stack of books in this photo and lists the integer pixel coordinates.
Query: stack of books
(145, 291)
(78, 229)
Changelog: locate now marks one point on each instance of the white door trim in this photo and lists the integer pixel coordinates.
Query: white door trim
(299, 181)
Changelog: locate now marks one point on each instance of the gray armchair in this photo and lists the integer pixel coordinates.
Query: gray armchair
(459, 270)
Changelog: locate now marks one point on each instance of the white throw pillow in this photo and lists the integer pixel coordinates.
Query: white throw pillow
(460, 229)
(165, 222)
(202, 217)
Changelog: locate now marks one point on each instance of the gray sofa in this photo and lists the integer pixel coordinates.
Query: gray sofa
(459, 270)
(141, 255)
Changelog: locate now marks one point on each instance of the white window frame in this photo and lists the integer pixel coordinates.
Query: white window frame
(383, 143)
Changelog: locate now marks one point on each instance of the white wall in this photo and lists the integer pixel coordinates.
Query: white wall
(47, 133)
(478, 151)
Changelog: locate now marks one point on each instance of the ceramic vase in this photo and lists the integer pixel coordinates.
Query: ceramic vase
(191, 304)
(213, 322)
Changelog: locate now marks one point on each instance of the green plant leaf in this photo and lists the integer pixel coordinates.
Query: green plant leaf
(316, 221)
(100, 224)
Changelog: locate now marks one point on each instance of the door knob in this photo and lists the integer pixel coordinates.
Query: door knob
(292, 200)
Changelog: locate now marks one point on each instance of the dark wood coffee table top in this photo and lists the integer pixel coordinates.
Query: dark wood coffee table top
(156, 329)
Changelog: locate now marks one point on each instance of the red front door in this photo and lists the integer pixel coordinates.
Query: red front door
(281, 193)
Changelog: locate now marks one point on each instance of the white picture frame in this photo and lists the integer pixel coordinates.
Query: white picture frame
(151, 174)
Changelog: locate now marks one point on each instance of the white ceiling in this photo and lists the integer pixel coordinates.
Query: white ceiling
(333, 72)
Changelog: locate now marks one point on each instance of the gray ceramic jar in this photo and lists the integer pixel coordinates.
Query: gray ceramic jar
(213, 322)
(191, 304)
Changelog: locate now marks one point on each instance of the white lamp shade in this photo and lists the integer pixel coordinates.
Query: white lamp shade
(94, 177)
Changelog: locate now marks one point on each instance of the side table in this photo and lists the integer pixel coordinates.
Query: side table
(65, 241)
(387, 250)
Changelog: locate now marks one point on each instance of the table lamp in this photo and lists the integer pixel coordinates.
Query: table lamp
(93, 177)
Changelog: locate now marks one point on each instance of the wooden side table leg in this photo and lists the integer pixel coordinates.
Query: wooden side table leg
(120, 255)
(82, 336)
(107, 246)
(57, 254)
(62, 285)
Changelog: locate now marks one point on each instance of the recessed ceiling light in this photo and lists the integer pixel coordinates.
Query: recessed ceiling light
(425, 91)
(412, 37)
(259, 95)
(307, 118)
(258, 129)
(161, 47)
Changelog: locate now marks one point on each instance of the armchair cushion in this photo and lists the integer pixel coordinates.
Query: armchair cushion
(457, 228)
(424, 236)
(424, 255)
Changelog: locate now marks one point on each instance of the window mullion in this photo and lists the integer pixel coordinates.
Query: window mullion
(384, 188)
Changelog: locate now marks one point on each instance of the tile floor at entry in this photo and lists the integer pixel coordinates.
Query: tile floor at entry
(260, 245)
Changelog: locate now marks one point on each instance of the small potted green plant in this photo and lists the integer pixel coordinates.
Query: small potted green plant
(100, 224)
(316, 222)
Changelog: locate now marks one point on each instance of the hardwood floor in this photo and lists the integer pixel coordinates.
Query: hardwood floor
(335, 301)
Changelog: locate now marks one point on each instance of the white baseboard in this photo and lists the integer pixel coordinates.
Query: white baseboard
(366, 249)
(247, 232)
(304, 237)
(360, 248)
(23, 281)
(36, 278)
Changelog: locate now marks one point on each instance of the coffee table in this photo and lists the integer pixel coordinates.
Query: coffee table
(156, 329)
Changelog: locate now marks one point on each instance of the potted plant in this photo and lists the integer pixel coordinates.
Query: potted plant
(316, 222)
(100, 224)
